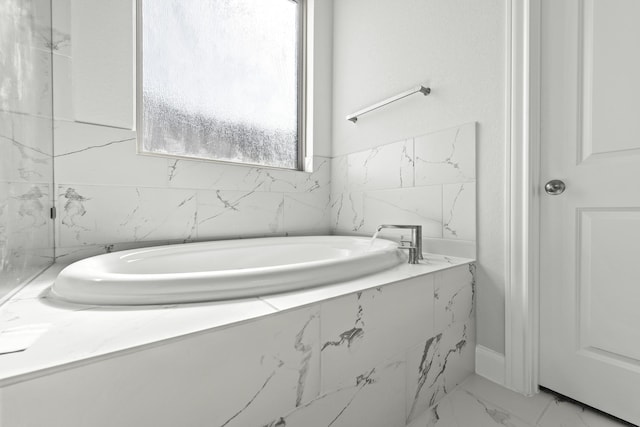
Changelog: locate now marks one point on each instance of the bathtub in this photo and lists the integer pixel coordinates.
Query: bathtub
(230, 269)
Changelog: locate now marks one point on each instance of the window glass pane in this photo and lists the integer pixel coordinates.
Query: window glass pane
(220, 80)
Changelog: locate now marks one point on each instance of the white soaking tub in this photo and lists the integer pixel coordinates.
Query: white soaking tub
(221, 270)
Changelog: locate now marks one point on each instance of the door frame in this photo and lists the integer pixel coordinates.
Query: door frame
(522, 196)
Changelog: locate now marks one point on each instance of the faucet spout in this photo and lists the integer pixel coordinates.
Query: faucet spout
(416, 238)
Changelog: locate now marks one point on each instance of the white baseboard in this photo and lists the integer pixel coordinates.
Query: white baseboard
(490, 364)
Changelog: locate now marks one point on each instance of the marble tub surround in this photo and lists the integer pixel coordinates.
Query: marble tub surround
(82, 332)
(427, 180)
(479, 402)
(155, 199)
(321, 358)
(26, 145)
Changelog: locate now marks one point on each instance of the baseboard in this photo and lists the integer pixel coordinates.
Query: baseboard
(490, 364)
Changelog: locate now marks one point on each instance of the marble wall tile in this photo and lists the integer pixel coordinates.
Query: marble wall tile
(27, 87)
(26, 232)
(417, 205)
(358, 334)
(27, 22)
(307, 213)
(453, 297)
(444, 360)
(347, 212)
(383, 167)
(427, 180)
(457, 201)
(221, 176)
(26, 167)
(373, 398)
(239, 213)
(339, 175)
(463, 409)
(447, 156)
(239, 201)
(454, 248)
(437, 366)
(29, 209)
(62, 84)
(26, 148)
(243, 376)
(86, 154)
(61, 31)
(89, 215)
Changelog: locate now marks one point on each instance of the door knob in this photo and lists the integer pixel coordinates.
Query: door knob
(555, 187)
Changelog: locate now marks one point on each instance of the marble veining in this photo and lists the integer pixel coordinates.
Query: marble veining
(93, 147)
(25, 146)
(352, 404)
(369, 170)
(307, 361)
(278, 365)
(446, 157)
(449, 214)
(151, 198)
(350, 336)
(427, 180)
(26, 141)
(479, 402)
(347, 212)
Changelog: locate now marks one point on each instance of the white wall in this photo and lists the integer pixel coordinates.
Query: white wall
(457, 47)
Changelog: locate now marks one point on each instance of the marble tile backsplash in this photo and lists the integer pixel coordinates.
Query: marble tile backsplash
(427, 180)
(26, 164)
(109, 197)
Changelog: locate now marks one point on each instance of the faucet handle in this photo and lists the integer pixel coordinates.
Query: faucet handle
(413, 253)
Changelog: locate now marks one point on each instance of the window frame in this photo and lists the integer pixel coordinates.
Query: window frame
(303, 49)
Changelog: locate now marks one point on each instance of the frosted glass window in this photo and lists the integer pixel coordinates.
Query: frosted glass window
(221, 79)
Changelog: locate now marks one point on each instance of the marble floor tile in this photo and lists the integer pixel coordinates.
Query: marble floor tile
(480, 403)
(530, 409)
(567, 414)
(463, 409)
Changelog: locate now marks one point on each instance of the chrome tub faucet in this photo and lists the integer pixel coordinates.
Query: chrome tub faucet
(415, 244)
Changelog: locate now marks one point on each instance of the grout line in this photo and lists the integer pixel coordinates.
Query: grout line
(546, 408)
(269, 304)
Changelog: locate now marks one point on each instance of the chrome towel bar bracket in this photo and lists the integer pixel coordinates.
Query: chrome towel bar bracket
(418, 89)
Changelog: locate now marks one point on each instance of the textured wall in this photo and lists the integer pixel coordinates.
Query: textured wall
(457, 47)
(26, 166)
(341, 362)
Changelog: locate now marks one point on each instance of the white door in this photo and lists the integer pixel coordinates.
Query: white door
(590, 243)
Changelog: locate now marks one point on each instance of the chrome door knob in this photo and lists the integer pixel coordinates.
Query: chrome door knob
(555, 187)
